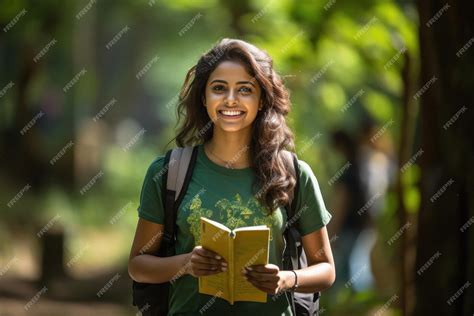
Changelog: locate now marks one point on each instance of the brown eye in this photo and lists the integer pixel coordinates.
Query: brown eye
(218, 88)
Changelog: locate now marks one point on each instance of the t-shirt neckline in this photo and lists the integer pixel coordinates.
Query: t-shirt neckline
(221, 169)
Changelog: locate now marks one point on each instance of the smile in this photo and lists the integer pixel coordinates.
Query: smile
(231, 114)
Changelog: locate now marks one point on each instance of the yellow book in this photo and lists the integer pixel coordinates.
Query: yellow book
(241, 247)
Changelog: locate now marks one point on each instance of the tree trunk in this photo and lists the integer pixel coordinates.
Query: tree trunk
(444, 269)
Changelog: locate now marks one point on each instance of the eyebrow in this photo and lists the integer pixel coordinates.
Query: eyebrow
(239, 82)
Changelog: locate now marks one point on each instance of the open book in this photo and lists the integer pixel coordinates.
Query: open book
(241, 247)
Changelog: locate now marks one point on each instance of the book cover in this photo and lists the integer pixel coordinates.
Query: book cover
(241, 247)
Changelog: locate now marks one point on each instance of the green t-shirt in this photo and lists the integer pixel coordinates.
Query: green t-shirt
(225, 195)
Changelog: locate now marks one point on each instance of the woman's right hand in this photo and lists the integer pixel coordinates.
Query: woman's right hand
(204, 262)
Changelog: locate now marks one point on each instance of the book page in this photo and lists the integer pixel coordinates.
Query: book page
(251, 247)
(215, 237)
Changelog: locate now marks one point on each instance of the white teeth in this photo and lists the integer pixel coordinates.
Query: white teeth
(231, 113)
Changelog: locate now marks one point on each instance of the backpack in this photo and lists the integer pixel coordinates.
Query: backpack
(152, 298)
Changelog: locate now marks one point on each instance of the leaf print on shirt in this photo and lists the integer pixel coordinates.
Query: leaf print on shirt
(232, 213)
(195, 213)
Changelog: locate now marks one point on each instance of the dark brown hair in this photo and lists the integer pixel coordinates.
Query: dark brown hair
(270, 134)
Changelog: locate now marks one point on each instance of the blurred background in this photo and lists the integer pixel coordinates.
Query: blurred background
(381, 94)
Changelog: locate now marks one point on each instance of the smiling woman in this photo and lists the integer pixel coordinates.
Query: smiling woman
(232, 107)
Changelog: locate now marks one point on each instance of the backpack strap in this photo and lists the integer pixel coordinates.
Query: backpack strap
(181, 161)
(291, 236)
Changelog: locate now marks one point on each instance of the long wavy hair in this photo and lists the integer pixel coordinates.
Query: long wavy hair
(270, 135)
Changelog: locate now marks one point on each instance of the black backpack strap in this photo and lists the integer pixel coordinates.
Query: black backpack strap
(289, 233)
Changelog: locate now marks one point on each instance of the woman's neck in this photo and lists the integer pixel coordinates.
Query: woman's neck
(229, 149)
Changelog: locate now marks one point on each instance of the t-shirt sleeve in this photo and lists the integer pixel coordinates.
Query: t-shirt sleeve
(151, 203)
(311, 212)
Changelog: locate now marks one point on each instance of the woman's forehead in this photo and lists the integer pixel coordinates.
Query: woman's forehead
(231, 71)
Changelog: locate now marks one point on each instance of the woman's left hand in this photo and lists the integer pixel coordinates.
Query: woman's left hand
(268, 278)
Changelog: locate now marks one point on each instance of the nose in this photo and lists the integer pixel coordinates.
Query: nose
(231, 98)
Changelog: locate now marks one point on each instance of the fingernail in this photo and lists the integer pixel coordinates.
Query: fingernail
(249, 268)
(224, 269)
(224, 264)
(218, 257)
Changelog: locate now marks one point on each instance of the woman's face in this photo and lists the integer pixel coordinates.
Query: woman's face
(231, 88)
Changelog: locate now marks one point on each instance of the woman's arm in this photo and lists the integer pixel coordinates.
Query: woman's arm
(146, 268)
(319, 275)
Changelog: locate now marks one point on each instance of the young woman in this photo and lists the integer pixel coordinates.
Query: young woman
(234, 106)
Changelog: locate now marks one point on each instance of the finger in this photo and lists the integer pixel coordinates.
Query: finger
(269, 268)
(262, 277)
(265, 289)
(204, 266)
(207, 260)
(207, 272)
(207, 253)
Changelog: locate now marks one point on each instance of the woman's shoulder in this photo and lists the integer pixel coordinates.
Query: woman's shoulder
(305, 170)
(156, 167)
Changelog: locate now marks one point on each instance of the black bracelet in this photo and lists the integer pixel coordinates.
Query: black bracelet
(296, 281)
